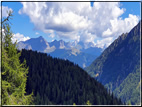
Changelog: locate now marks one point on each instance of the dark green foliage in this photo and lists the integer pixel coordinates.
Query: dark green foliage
(56, 81)
(116, 66)
(125, 92)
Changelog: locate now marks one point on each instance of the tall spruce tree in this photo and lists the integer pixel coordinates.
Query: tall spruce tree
(14, 73)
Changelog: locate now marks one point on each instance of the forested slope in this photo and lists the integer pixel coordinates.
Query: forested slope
(118, 67)
(56, 81)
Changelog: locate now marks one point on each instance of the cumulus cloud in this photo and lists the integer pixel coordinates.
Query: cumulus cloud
(79, 21)
(103, 43)
(19, 37)
(5, 9)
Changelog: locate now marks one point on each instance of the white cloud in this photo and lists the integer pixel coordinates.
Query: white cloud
(3, 32)
(5, 9)
(19, 37)
(79, 21)
(107, 32)
(52, 35)
(104, 42)
(37, 33)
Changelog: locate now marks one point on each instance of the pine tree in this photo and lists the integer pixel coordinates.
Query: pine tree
(14, 73)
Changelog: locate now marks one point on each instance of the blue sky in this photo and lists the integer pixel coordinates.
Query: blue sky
(131, 7)
(25, 25)
(20, 23)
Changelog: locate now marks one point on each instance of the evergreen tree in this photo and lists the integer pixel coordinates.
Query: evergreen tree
(14, 73)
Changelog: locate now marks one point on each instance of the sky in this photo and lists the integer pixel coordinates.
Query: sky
(97, 22)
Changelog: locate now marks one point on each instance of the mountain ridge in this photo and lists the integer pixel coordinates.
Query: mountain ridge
(117, 63)
(62, 49)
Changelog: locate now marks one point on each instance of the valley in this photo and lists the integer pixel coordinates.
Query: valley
(114, 67)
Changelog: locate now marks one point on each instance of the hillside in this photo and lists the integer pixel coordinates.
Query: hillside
(56, 81)
(118, 67)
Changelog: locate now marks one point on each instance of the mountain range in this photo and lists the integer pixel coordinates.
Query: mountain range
(76, 52)
(118, 67)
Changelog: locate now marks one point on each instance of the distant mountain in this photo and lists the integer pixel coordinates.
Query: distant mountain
(39, 44)
(92, 51)
(74, 55)
(118, 67)
(83, 46)
(73, 51)
(60, 44)
(55, 81)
